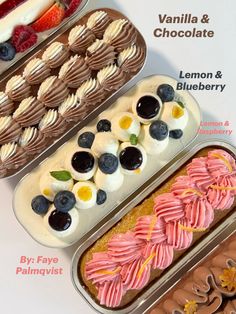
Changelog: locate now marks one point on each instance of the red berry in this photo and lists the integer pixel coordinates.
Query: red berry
(72, 7)
(23, 37)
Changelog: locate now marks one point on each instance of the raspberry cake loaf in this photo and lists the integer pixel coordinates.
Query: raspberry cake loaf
(210, 288)
(159, 230)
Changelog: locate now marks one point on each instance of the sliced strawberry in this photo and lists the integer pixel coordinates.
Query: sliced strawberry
(71, 6)
(50, 18)
(23, 37)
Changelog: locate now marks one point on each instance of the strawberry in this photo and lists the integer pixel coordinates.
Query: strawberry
(71, 6)
(23, 37)
(50, 18)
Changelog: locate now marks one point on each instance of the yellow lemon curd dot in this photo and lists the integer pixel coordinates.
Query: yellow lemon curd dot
(85, 193)
(47, 192)
(137, 171)
(191, 307)
(125, 122)
(177, 112)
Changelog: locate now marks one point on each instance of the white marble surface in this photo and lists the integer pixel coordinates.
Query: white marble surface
(55, 294)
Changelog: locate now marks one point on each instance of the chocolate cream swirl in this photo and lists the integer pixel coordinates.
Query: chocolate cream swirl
(36, 71)
(56, 54)
(90, 93)
(33, 141)
(9, 130)
(131, 59)
(17, 88)
(12, 156)
(111, 77)
(98, 22)
(80, 38)
(6, 105)
(52, 124)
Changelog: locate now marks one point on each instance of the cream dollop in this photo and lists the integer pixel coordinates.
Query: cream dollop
(107, 72)
(96, 18)
(24, 105)
(33, 66)
(46, 85)
(86, 88)
(69, 103)
(75, 33)
(52, 51)
(5, 122)
(49, 119)
(14, 83)
(27, 136)
(7, 151)
(95, 46)
(67, 66)
(127, 54)
(114, 29)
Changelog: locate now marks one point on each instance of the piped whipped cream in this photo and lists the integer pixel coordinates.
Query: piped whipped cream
(49, 119)
(14, 83)
(86, 88)
(68, 65)
(46, 85)
(95, 46)
(95, 18)
(24, 105)
(76, 32)
(127, 54)
(7, 151)
(114, 29)
(5, 122)
(52, 51)
(27, 136)
(107, 72)
(3, 98)
(33, 66)
(69, 103)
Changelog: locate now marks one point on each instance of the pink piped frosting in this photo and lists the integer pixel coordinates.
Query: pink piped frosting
(210, 185)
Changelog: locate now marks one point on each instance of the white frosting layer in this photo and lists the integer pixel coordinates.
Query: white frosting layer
(150, 144)
(33, 66)
(46, 85)
(109, 182)
(105, 142)
(24, 105)
(123, 134)
(127, 54)
(52, 51)
(95, 46)
(144, 163)
(107, 72)
(48, 119)
(75, 33)
(70, 231)
(172, 122)
(67, 66)
(27, 136)
(3, 98)
(69, 103)
(96, 18)
(7, 151)
(114, 29)
(5, 122)
(80, 203)
(86, 88)
(24, 14)
(14, 83)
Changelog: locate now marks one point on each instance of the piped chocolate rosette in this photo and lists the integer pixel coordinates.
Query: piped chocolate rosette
(56, 54)
(52, 124)
(32, 141)
(90, 92)
(17, 88)
(209, 289)
(98, 23)
(36, 71)
(6, 105)
(187, 209)
(71, 109)
(80, 38)
(9, 130)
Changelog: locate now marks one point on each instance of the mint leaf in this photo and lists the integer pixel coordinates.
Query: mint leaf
(61, 175)
(181, 104)
(133, 139)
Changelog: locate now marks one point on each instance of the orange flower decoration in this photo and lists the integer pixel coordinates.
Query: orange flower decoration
(191, 307)
(228, 279)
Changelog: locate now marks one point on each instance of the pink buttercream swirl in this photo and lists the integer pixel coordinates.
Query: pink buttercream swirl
(110, 293)
(178, 235)
(150, 228)
(220, 163)
(162, 253)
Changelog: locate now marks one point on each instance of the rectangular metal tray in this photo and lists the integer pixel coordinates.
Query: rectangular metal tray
(145, 300)
(43, 38)
(100, 107)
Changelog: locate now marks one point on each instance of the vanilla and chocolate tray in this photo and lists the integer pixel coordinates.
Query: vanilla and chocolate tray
(66, 84)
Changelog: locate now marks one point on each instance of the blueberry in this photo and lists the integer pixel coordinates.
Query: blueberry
(176, 134)
(101, 197)
(7, 52)
(104, 126)
(108, 163)
(159, 130)
(40, 205)
(166, 92)
(64, 201)
(86, 140)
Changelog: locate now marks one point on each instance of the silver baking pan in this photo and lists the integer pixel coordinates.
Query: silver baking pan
(43, 38)
(72, 127)
(145, 300)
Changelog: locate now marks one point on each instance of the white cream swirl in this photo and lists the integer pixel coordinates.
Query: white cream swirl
(3, 98)
(86, 88)
(7, 151)
(5, 122)
(27, 136)
(127, 54)
(52, 51)
(46, 85)
(14, 83)
(95, 46)
(24, 105)
(106, 72)
(33, 66)
(96, 18)
(48, 119)
(114, 29)
(69, 103)
(75, 33)
(67, 66)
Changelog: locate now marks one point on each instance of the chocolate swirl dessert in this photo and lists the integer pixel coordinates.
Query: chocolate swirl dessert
(9, 130)
(208, 289)
(71, 109)
(80, 38)
(17, 88)
(6, 105)
(98, 23)
(56, 54)
(131, 59)
(33, 141)
(90, 92)
(11, 157)
(111, 77)
(36, 71)
(52, 124)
